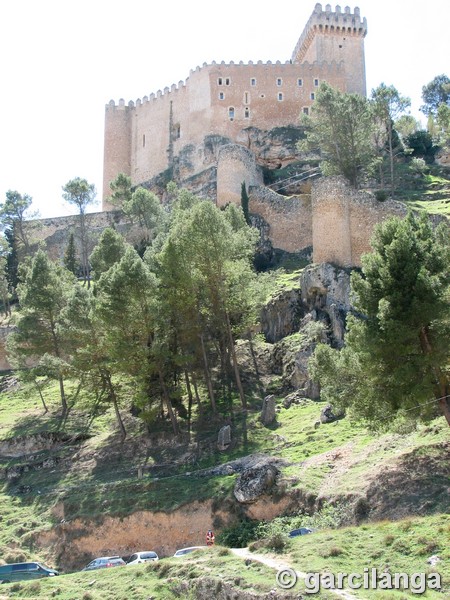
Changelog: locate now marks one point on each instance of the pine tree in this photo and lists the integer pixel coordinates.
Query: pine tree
(396, 353)
(43, 295)
(70, 256)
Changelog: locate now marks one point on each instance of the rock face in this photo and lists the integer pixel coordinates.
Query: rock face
(328, 415)
(268, 415)
(325, 292)
(255, 481)
(322, 297)
(224, 438)
(281, 316)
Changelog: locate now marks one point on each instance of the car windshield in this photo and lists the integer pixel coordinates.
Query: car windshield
(42, 566)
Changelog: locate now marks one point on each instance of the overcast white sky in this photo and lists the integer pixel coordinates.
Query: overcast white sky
(63, 60)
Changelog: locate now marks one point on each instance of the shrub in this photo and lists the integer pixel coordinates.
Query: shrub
(238, 535)
(381, 195)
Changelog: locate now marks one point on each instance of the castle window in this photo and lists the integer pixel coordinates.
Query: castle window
(227, 81)
(247, 112)
(316, 83)
(279, 81)
(143, 141)
(305, 110)
(231, 113)
(313, 96)
(262, 95)
(299, 82)
(177, 131)
(220, 81)
(280, 96)
(246, 98)
(253, 81)
(221, 96)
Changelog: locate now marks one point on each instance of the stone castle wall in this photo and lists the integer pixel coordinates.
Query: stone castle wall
(343, 220)
(149, 136)
(54, 232)
(289, 218)
(235, 165)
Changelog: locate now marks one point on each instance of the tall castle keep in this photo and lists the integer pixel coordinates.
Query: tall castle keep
(180, 130)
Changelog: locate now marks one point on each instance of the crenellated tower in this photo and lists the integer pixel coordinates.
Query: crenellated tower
(178, 131)
(335, 36)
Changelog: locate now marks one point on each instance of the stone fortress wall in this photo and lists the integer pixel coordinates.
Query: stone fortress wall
(147, 137)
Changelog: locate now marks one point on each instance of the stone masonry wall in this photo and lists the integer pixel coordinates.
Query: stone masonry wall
(343, 220)
(55, 231)
(235, 165)
(289, 218)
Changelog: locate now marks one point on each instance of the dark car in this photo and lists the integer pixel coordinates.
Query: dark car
(104, 562)
(300, 531)
(25, 572)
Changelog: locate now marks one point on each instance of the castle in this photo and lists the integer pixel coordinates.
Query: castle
(181, 130)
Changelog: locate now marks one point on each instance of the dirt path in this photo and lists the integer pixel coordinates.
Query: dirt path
(279, 565)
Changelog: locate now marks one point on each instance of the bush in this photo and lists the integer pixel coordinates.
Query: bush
(421, 145)
(419, 166)
(381, 195)
(239, 535)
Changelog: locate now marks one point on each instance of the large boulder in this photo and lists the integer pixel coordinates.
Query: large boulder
(281, 316)
(268, 415)
(255, 481)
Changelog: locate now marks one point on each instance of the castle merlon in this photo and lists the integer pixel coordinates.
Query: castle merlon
(327, 21)
(331, 66)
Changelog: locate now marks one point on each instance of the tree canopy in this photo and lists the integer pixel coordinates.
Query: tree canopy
(341, 126)
(435, 93)
(396, 354)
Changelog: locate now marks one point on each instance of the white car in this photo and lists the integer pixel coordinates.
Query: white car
(184, 551)
(142, 557)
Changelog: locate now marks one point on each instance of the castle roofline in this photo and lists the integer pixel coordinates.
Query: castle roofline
(122, 105)
(329, 21)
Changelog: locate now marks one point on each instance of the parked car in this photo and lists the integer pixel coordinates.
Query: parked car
(103, 562)
(300, 531)
(184, 551)
(142, 557)
(25, 572)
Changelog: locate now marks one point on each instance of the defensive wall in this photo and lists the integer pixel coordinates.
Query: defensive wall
(146, 137)
(343, 220)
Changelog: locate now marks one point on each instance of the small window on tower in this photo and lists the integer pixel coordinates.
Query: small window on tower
(280, 96)
(313, 96)
(221, 96)
(253, 81)
(247, 112)
(300, 82)
(220, 81)
(143, 141)
(305, 110)
(316, 83)
(245, 97)
(279, 81)
(227, 81)
(231, 113)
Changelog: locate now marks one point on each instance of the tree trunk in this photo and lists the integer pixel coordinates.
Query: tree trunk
(442, 396)
(189, 391)
(197, 397)
(235, 363)
(63, 395)
(168, 403)
(391, 157)
(207, 375)
(41, 396)
(112, 395)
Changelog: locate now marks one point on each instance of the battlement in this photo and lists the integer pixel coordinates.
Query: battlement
(278, 67)
(329, 22)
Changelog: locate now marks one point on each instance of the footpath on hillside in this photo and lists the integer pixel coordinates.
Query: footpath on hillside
(279, 565)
